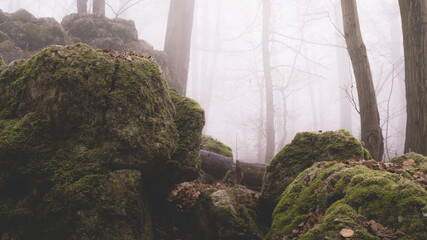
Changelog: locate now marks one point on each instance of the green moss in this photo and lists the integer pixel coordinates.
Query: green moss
(189, 120)
(228, 214)
(212, 145)
(70, 118)
(420, 160)
(345, 196)
(304, 150)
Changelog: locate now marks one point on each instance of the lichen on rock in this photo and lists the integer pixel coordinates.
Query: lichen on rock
(327, 198)
(304, 150)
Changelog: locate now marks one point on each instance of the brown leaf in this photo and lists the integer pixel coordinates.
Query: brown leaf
(346, 232)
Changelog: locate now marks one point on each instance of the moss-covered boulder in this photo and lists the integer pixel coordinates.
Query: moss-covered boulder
(304, 150)
(218, 212)
(118, 34)
(334, 200)
(22, 34)
(212, 145)
(418, 159)
(82, 134)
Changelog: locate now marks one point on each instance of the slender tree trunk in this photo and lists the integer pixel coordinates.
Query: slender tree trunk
(178, 38)
(414, 25)
(261, 127)
(344, 77)
(369, 117)
(99, 7)
(269, 153)
(213, 69)
(396, 52)
(81, 6)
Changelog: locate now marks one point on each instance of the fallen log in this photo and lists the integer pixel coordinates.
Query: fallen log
(214, 164)
(243, 173)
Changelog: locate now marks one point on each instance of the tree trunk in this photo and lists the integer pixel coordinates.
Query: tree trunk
(344, 78)
(81, 6)
(178, 38)
(269, 153)
(369, 117)
(414, 25)
(99, 7)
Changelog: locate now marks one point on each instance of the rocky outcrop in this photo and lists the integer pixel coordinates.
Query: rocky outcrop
(304, 150)
(356, 199)
(83, 135)
(22, 34)
(118, 34)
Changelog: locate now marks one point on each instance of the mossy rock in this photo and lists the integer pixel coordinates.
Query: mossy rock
(231, 214)
(418, 159)
(71, 118)
(304, 150)
(89, 27)
(214, 212)
(29, 33)
(329, 197)
(189, 120)
(212, 145)
(118, 34)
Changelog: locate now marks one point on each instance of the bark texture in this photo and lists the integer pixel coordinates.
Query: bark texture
(269, 154)
(414, 24)
(178, 38)
(99, 7)
(81, 6)
(369, 117)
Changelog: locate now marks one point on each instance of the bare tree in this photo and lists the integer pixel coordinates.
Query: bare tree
(343, 76)
(269, 154)
(369, 116)
(99, 7)
(414, 25)
(82, 6)
(178, 38)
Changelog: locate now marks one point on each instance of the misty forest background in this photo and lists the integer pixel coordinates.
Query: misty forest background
(313, 84)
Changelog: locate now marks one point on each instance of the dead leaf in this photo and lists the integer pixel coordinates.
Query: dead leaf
(346, 232)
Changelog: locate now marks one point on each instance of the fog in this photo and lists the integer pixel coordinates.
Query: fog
(312, 74)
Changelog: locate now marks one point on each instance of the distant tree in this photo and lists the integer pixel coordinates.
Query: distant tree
(369, 116)
(343, 76)
(414, 24)
(270, 134)
(82, 6)
(178, 38)
(99, 7)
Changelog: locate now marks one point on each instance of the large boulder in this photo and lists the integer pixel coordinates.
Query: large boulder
(22, 34)
(356, 199)
(83, 133)
(304, 150)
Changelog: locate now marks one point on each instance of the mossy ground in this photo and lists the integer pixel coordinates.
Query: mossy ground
(345, 196)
